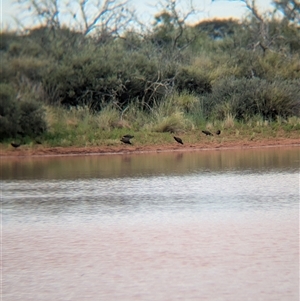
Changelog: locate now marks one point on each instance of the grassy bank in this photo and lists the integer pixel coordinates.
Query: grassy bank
(80, 128)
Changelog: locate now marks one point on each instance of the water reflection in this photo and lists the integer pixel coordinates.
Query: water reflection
(190, 183)
(115, 166)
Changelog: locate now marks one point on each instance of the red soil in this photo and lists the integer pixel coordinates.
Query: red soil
(125, 149)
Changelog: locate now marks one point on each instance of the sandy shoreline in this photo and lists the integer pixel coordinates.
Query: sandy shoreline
(40, 150)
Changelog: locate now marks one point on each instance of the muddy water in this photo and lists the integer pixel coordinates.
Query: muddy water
(210, 225)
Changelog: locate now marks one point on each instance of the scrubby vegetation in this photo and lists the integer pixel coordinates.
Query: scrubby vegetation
(68, 87)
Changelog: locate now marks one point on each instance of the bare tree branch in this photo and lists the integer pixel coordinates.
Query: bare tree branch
(110, 15)
(260, 30)
(175, 18)
(46, 11)
(107, 16)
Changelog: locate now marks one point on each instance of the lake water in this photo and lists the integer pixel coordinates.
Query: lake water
(207, 225)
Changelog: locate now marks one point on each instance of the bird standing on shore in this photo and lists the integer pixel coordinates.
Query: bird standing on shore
(125, 140)
(177, 139)
(207, 133)
(128, 136)
(15, 145)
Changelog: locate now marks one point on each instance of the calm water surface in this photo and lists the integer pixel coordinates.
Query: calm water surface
(208, 225)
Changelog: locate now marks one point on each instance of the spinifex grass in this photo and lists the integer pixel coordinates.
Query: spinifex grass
(79, 127)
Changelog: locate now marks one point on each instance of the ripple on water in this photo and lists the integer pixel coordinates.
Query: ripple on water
(217, 227)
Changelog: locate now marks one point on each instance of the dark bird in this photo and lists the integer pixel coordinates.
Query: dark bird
(207, 133)
(128, 136)
(178, 140)
(15, 145)
(125, 140)
(218, 132)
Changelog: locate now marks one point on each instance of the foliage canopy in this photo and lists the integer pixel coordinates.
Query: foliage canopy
(243, 68)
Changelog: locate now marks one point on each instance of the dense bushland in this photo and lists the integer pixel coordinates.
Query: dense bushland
(19, 118)
(170, 78)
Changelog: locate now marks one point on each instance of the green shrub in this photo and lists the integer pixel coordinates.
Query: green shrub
(192, 80)
(186, 101)
(7, 39)
(173, 123)
(9, 112)
(32, 119)
(245, 98)
(19, 118)
(30, 67)
(96, 78)
(108, 118)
